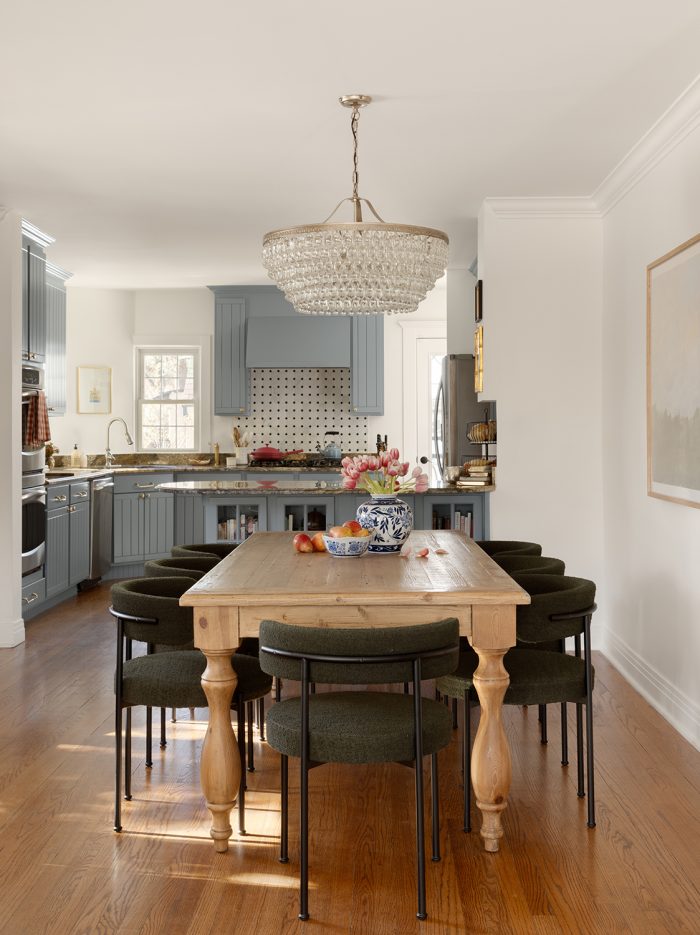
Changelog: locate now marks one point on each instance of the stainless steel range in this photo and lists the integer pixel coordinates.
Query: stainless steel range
(33, 486)
(309, 460)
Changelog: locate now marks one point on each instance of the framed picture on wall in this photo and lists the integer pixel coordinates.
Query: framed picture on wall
(95, 390)
(479, 360)
(673, 369)
(478, 301)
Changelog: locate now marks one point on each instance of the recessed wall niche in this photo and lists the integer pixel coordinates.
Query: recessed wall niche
(292, 408)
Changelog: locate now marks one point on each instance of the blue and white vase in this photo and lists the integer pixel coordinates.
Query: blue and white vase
(390, 521)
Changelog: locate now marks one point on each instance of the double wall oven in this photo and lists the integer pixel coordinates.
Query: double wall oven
(33, 484)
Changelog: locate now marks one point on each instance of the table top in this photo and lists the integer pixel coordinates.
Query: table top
(266, 569)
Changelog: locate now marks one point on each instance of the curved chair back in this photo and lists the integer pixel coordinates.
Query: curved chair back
(559, 604)
(150, 610)
(195, 567)
(218, 550)
(512, 546)
(354, 649)
(539, 564)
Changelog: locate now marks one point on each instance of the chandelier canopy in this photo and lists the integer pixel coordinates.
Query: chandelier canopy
(356, 267)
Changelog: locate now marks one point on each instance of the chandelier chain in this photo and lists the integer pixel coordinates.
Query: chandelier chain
(354, 121)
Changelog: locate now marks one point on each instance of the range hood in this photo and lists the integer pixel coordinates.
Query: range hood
(298, 341)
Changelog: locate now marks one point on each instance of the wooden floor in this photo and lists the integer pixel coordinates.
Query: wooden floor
(64, 870)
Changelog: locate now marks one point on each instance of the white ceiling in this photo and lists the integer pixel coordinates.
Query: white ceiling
(157, 141)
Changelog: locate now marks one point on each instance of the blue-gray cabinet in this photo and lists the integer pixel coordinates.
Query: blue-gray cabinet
(455, 512)
(33, 301)
(301, 514)
(143, 526)
(55, 369)
(233, 519)
(231, 378)
(367, 365)
(67, 537)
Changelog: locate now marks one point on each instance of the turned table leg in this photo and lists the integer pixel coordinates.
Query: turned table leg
(491, 765)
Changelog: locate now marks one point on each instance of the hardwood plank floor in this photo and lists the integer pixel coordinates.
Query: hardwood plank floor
(63, 869)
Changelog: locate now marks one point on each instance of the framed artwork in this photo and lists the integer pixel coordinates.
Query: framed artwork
(673, 375)
(479, 360)
(478, 301)
(95, 390)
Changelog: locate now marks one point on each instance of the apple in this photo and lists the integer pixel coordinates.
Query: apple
(362, 532)
(354, 526)
(318, 543)
(302, 543)
(339, 532)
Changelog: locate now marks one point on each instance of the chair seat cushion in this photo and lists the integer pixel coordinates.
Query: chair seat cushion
(358, 727)
(172, 679)
(536, 677)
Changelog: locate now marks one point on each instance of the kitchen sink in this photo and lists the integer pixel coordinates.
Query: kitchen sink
(51, 474)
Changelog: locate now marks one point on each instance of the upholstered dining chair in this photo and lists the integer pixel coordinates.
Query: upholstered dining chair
(513, 546)
(540, 670)
(515, 563)
(195, 567)
(147, 610)
(358, 726)
(217, 549)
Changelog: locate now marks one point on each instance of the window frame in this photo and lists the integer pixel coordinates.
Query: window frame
(162, 348)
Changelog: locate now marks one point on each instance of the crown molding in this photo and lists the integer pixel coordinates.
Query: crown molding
(39, 237)
(678, 122)
(57, 271)
(576, 206)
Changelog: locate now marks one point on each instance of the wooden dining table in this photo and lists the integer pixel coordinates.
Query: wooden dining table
(266, 579)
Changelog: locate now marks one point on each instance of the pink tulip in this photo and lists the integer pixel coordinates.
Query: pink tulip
(417, 471)
(363, 465)
(384, 459)
(404, 468)
(349, 483)
(392, 470)
(346, 461)
(422, 484)
(394, 454)
(372, 463)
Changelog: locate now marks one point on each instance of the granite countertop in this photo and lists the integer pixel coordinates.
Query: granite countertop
(224, 488)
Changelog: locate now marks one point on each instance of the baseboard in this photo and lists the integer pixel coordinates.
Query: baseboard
(11, 633)
(672, 704)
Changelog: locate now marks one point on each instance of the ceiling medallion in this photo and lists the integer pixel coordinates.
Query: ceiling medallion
(357, 267)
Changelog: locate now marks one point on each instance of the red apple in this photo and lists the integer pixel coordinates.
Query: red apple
(362, 532)
(339, 532)
(302, 543)
(354, 526)
(318, 543)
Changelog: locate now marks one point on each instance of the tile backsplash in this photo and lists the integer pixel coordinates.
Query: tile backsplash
(292, 408)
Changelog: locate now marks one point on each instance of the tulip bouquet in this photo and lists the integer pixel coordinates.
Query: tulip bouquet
(382, 474)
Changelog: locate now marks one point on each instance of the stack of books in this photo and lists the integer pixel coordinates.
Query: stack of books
(479, 476)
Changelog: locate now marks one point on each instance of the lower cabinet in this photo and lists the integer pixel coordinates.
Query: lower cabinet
(301, 514)
(234, 519)
(143, 526)
(468, 513)
(67, 547)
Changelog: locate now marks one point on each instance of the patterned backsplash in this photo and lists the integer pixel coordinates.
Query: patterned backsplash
(293, 408)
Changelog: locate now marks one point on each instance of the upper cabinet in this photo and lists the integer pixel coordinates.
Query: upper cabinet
(255, 326)
(55, 370)
(33, 301)
(367, 365)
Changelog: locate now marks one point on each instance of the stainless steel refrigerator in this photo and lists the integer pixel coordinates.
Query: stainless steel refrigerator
(456, 404)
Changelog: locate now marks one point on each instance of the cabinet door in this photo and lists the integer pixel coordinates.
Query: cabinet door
(79, 563)
(367, 365)
(230, 374)
(25, 301)
(189, 520)
(57, 551)
(441, 513)
(301, 514)
(158, 525)
(55, 345)
(37, 303)
(128, 527)
(234, 519)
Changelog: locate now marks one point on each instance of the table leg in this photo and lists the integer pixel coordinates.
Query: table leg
(491, 765)
(220, 770)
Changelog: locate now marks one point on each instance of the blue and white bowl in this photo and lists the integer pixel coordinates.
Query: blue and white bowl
(347, 547)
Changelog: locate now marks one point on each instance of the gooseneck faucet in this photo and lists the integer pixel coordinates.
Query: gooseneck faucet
(109, 457)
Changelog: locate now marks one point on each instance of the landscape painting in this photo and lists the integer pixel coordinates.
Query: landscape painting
(673, 375)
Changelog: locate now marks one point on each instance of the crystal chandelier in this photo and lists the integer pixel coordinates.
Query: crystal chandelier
(358, 267)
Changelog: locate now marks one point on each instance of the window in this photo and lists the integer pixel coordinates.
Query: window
(168, 404)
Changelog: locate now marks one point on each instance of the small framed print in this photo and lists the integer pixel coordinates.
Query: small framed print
(95, 390)
(478, 301)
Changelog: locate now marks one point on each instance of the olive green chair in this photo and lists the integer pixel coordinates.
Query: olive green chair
(512, 546)
(358, 726)
(147, 610)
(561, 607)
(540, 564)
(195, 567)
(218, 549)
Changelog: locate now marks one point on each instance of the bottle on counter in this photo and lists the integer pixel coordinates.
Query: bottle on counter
(75, 456)
(83, 459)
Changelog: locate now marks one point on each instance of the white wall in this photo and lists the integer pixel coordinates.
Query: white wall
(11, 626)
(542, 277)
(652, 547)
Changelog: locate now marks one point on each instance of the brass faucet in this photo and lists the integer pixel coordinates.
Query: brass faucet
(217, 454)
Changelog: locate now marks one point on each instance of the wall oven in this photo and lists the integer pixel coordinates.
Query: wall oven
(33, 483)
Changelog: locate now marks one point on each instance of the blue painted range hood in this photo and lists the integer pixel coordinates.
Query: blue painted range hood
(298, 341)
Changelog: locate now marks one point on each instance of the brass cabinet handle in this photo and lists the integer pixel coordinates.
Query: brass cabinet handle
(81, 493)
(145, 485)
(61, 497)
(32, 597)
(71, 509)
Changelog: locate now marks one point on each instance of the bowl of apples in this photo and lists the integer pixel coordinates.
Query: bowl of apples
(347, 541)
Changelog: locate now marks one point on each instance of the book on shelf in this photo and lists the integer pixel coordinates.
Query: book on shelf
(474, 482)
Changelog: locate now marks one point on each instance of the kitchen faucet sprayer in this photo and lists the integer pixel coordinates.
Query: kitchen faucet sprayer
(109, 458)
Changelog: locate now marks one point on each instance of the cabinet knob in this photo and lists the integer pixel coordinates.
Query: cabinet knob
(31, 598)
(71, 509)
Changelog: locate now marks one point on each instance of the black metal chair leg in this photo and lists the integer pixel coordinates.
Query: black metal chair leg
(118, 765)
(435, 801)
(163, 739)
(250, 717)
(149, 738)
(304, 795)
(284, 809)
(454, 714)
(467, 763)
(564, 736)
(127, 757)
(543, 723)
(420, 830)
(278, 688)
(405, 688)
(241, 749)
(589, 722)
(173, 715)
(580, 790)
(261, 717)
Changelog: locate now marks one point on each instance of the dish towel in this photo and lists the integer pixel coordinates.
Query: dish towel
(36, 426)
